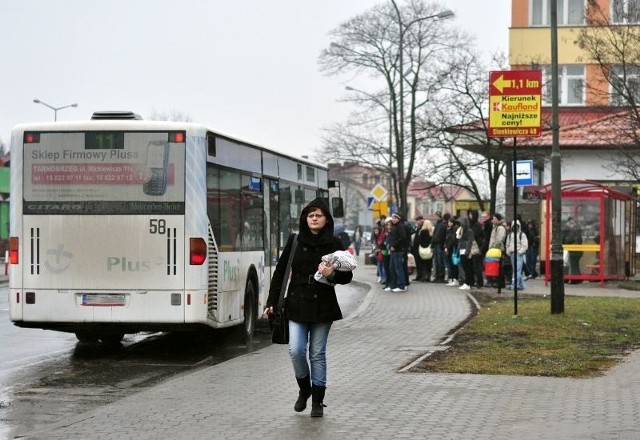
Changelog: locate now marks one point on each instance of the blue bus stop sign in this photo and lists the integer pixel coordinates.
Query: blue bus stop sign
(523, 172)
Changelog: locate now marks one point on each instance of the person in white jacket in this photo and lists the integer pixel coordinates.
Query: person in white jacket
(517, 258)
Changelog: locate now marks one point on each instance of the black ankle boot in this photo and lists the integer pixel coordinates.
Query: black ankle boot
(317, 396)
(303, 394)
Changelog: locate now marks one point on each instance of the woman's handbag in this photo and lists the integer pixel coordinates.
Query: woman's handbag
(426, 253)
(280, 324)
(280, 329)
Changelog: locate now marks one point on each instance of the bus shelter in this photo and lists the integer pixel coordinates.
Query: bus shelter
(598, 231)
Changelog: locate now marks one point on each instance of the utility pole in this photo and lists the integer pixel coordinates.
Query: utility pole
(557, 275)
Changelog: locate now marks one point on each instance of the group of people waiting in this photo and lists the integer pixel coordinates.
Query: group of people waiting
(391, 238)
(458, 247)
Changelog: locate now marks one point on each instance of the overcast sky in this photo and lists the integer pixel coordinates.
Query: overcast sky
(248, 69)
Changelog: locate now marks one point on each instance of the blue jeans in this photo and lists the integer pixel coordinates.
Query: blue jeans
(452, 273)
(381, 272)
(315, 335)
(532, 258)
(517, 276)
(396, 264)
(439, 262)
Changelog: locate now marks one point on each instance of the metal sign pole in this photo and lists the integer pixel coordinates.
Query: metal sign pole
(514, 263)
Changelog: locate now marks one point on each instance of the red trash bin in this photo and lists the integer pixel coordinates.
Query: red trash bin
(492, 263)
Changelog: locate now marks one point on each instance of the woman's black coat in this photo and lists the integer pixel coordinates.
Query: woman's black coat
(308, 300)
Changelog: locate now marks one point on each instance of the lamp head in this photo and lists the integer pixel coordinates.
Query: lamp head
(445, 14)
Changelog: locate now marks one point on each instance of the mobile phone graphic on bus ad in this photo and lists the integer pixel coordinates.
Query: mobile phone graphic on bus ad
(157, 164)
(96, 172)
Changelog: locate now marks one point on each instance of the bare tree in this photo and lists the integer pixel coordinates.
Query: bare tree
(403, 50)
(614, 46)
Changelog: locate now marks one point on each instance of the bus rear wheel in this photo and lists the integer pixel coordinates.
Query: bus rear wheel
(250, 313)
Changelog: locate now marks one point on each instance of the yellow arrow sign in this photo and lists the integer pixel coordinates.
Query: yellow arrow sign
(514, 103)
(500, 83)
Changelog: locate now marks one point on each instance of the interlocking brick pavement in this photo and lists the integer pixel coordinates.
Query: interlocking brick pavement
(368, 395)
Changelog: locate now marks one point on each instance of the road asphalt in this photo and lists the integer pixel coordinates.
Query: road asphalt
(371, 394)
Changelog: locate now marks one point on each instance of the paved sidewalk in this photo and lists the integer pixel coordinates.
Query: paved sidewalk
(369, 397)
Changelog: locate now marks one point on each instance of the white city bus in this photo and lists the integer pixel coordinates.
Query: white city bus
(119, 225)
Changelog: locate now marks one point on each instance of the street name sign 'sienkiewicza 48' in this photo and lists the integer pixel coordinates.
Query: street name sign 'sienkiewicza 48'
(514, 103)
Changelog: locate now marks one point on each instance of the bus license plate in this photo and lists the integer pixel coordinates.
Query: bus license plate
(104, 299)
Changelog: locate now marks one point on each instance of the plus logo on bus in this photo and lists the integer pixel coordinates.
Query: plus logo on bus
(231, 270)
(126, 265)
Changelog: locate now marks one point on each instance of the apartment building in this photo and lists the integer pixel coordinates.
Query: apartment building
(592, 112)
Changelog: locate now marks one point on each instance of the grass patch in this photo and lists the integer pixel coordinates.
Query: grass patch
(591, 336)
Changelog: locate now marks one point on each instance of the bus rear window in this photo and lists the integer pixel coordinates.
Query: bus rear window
(104, 172)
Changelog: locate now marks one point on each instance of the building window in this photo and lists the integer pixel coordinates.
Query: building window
(625, 11)
(311, 174)
(570, 12)
(571, 80)
(625, 85)
(365, 179)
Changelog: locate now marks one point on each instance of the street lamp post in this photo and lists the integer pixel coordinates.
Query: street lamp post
(400, 126)
(55, 109)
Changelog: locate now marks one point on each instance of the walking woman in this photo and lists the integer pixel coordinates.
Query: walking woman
(310, 306)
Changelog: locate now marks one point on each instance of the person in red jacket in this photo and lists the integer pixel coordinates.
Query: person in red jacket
(310, 306)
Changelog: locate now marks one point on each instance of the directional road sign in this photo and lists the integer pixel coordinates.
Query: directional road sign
(514, 103)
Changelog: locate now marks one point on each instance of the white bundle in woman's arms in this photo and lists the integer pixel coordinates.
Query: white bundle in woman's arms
(343, 261)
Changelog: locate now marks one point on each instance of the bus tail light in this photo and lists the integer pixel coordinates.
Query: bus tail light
(13, 250)
(31, 138)
(177, 137)
(197, 251)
